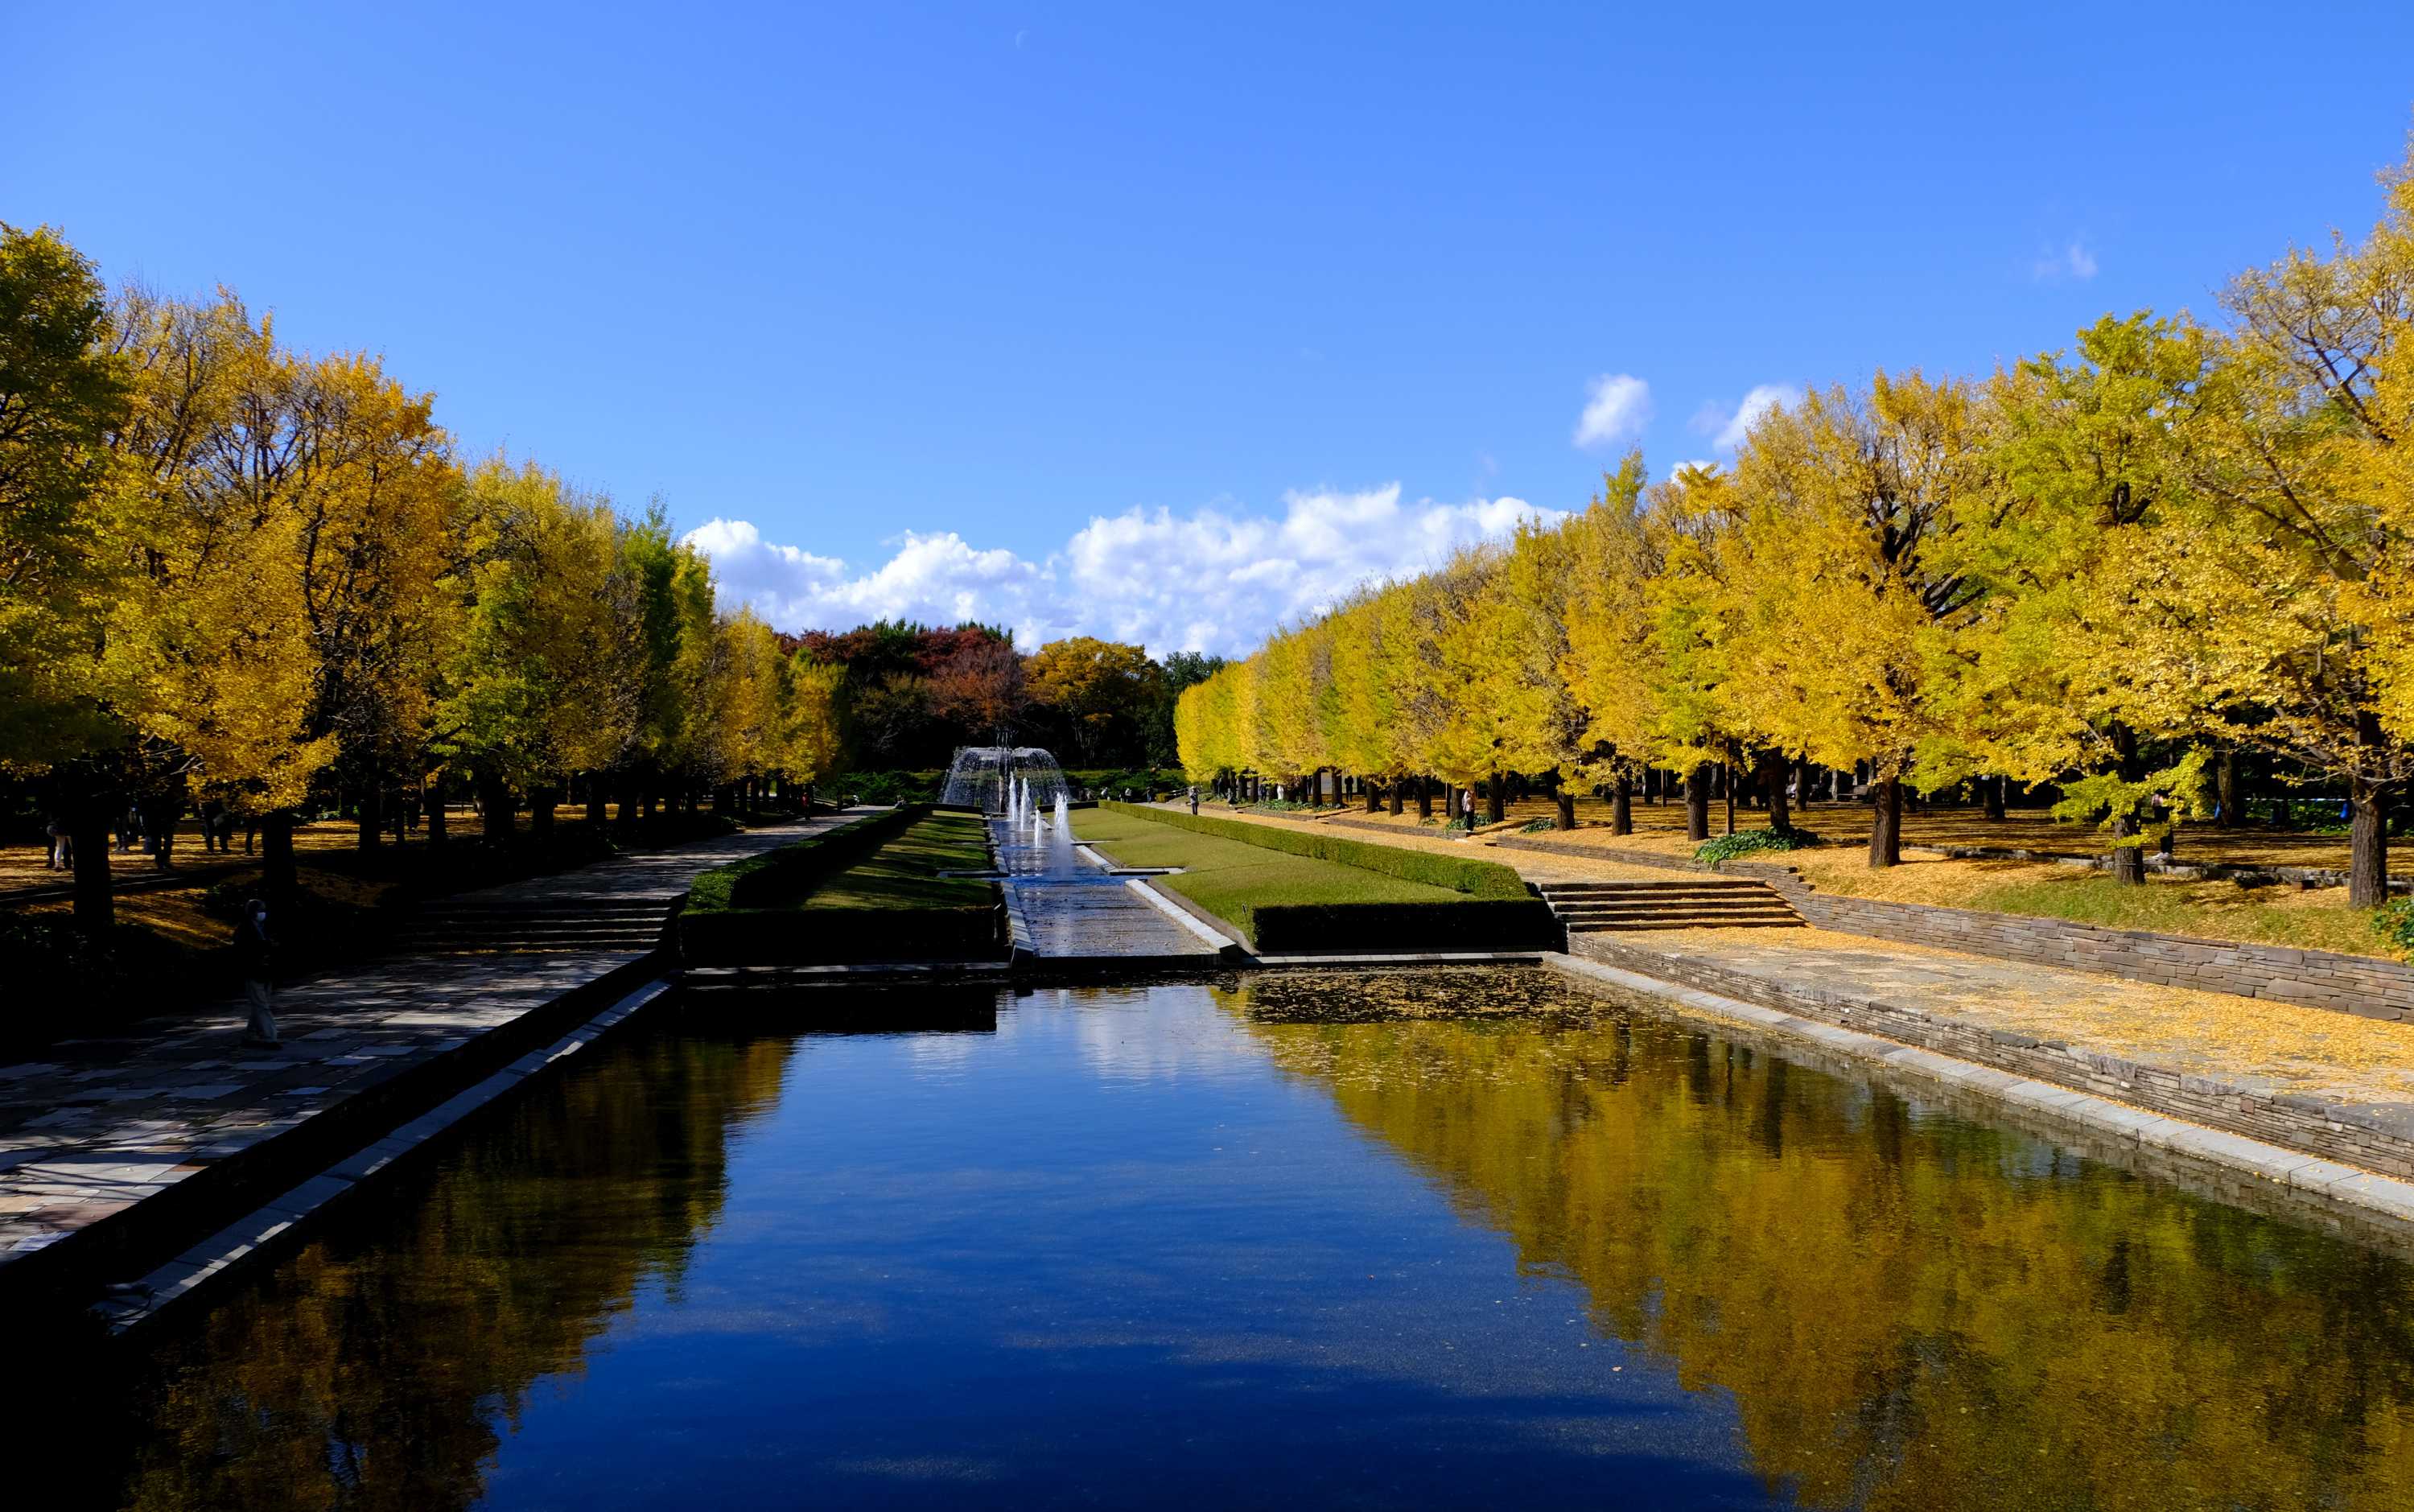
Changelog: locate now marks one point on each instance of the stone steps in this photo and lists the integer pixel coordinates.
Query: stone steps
(551, 925)
(1720, 903)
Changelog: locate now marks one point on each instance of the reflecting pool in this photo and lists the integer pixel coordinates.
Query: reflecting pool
(1399, 1241)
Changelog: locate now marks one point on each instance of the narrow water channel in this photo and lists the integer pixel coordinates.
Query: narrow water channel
(1406, 1240)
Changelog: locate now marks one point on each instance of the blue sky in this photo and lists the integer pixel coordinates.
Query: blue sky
(1168, 327)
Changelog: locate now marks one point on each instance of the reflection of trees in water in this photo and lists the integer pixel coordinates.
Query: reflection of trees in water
(1910, 1312)
(377, 1367)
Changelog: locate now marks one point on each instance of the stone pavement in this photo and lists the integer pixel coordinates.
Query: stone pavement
(2262, 1046)
(98, 1124)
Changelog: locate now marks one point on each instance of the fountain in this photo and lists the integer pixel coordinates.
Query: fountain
(1001, 779)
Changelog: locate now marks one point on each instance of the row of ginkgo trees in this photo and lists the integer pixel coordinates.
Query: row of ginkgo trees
(2095, 568)
(236, 574)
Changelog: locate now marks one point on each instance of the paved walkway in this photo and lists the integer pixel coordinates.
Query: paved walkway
(100, 1124)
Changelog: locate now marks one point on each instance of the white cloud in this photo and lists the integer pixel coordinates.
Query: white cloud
(1213, 579)
(1618, 406)
(2075, 260)
(1762, 398)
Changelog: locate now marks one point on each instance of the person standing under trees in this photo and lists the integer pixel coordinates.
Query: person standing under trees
(1194, 801)
(254, 954)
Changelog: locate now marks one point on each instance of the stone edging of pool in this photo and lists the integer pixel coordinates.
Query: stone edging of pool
(2293, 1171)
(280, 1220)
(2278, 1176)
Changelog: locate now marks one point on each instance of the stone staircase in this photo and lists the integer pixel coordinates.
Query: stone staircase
(1709, 903)
(631, 925)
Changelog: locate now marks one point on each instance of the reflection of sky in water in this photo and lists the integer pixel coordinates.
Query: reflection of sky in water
(1103, 1239)
(1135, 1247)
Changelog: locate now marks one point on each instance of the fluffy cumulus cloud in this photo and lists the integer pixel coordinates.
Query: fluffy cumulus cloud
(1212, 580)
(1616, 407)
(1728, 428)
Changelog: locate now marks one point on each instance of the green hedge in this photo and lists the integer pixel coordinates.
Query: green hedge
(1476, 878)
(1472, 924)
(759, 880)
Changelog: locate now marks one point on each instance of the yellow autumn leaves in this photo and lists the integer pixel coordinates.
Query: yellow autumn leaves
(2092, 568)
(264, 576)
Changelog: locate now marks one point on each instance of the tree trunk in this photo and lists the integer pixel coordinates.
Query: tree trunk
(1621, 806)
(1449, 802)
(1774, 771)
(1424, 797)
(1697, 803)
(1495, 801)
(495, 807)
(95, 897)
(541, 802)
(370, 810)
(599, 801)
(436, 827)
(277, 883)
(1995, 796)
(1399, 797)
(1886, 822)
(1374, 796)
(2128, 862)
(2225, 791)
(1567, 808)
(2367, 867)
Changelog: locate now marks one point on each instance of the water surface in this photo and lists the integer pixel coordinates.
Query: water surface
(1420, 1239)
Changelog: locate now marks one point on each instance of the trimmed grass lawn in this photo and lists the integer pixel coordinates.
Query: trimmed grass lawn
(2317, 920)
(904, 873)
(1232, 880)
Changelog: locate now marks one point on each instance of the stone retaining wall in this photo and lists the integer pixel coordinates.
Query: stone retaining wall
(2358, 984)
(2375, 1137)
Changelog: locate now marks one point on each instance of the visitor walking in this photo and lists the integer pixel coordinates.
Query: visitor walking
(1194, 801)
(62, 858)
(254, 955)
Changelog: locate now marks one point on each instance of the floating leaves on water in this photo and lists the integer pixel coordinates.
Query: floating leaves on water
(1529, 993)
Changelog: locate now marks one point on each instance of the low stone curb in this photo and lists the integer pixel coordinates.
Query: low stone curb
(1227, 944)
(282, 1219)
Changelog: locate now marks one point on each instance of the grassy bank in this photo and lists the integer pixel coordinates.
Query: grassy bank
(905, 872)
(2317, 920)
(1249, 885)
(867, 890)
